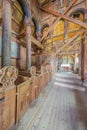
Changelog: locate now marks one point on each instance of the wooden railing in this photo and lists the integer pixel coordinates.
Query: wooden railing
(8, 75)
(30, 88)
(16, 97)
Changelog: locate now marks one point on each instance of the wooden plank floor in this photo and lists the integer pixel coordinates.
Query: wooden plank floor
(65, 107)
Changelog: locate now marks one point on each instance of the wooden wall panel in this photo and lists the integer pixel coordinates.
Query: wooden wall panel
(33, 60)
(59, 27)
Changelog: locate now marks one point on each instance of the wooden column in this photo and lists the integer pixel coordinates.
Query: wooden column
(85, 53)
(82, 59)
(38, 57)
(2, 102)
(28, 46)
(64, 3)
(75, 63)
(38, 34)
(86, 4)
(6, 33)
(65, 31)
(85, 59)
(58, 61)
(56, 5)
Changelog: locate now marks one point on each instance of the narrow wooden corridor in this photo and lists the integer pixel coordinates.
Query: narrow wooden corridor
(65, 107)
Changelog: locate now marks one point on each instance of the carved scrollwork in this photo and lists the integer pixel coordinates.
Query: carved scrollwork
(8, 75)
(33, 71)
(48, 68)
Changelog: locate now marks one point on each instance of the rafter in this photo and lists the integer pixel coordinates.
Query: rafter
(36, 42)
(57, 19)
(62, 34)
(65, 45)
(69, 52)
(75, 43)
(82, 24)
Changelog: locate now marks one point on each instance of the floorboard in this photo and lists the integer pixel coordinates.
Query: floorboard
(65, 108)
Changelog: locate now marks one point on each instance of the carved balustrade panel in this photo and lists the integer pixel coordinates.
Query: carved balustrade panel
(8, 75)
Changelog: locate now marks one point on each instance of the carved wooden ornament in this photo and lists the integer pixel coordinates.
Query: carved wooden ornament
(33, 71)
(8, 75)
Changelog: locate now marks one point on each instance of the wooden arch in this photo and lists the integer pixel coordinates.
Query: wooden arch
(25, 8)
(36, 24)
(44, 26)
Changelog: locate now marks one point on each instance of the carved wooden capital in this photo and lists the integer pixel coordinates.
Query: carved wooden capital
(8, 75)
(33, 71)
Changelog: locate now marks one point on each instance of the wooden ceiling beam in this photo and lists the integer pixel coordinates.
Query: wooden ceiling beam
(82, 24)
(57, 19)
(69, 52)
(42, 54)
(62, 34)
(75, 43)
(36, 42)
(65, 45)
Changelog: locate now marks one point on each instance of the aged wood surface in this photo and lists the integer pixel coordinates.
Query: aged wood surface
(65, 45)
(65, 108)
(36, 42)
(28, 48)
(6, 33)
(57, 19)
(82, 24)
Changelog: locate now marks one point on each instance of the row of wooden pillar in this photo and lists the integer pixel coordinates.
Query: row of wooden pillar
(6, 36)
